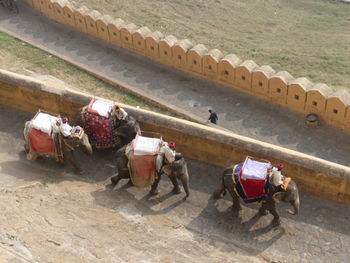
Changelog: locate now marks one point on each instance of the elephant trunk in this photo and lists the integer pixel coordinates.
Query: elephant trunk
(296, 206)
(87, 146)
(185, 184)
(89, 150)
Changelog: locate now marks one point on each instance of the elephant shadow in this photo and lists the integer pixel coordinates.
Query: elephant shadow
(244, 229)
(141, 199)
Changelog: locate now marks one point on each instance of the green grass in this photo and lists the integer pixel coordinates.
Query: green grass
(44, 63)
(293, 35)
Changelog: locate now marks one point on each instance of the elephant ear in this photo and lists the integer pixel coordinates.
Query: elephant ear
(278, 196)
(166, 169)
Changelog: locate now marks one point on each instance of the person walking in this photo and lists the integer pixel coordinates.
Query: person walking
(213, 117)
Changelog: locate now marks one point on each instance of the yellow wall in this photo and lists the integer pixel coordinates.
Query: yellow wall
(195, 141)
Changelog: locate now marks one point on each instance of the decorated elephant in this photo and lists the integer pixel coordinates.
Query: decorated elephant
(272, 194)
(176, 171)
(107, 131)
(38, 143)
(126, 131)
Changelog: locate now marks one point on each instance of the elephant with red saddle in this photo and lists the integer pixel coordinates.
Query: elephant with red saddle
(176, 171)
(268, 201)
(39, 144)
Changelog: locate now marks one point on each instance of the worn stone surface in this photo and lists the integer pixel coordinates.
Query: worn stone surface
(50, 215)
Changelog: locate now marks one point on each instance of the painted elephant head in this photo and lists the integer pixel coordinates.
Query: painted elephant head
(290, 195)
(79, 142)
(127, 131)
(273, 194)
(177, 170)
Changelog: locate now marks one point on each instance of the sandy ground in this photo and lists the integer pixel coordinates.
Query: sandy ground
(50, 215)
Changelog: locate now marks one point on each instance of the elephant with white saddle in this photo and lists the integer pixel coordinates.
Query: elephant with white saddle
(67, 146)
(176, 171)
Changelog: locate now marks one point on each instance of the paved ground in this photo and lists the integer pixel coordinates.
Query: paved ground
(50, 215)
(237, 112)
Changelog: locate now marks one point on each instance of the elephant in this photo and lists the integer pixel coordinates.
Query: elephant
(126, 131)
(176, 171)
(68, 146)
(290, 195)
(123, 131)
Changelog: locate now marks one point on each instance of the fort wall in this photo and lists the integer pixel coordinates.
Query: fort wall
(195, 141)
(281, 88)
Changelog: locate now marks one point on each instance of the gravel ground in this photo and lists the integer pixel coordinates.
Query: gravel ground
(50, 215)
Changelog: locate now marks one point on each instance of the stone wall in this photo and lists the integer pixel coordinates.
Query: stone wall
(297, 94)
(195, 141)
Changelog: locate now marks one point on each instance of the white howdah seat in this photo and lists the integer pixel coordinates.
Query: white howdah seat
(253, 169)
(146, 145)
(103, 108)
(44, 122)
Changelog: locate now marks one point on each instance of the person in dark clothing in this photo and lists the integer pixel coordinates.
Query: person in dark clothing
(213, 117)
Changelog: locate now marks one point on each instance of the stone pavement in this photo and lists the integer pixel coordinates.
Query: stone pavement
(49, 215)
(178, 91)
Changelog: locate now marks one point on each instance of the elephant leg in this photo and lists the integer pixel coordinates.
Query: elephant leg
(185, 183)
(221, 190)
(115, 179)
(176, 189)
(70, 157)
(235, 199)
(270, 206)
(230, 186)
(32, 156)
(263, 209)
(154, 190)
(123, 173)
(26, 148)
(276, 218)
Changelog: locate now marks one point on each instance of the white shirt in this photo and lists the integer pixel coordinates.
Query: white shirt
(121, 114)
(168, 152)
(55, 128)
(276, 177)
(66, 129)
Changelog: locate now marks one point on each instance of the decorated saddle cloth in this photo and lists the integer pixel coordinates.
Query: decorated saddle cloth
(98, 123)
(252, 180)
(38, 133)
(142, 160)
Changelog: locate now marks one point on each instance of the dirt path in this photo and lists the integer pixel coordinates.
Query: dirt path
(49, 215)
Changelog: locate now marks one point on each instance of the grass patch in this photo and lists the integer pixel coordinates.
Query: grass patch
(288, 35)
(44, 63)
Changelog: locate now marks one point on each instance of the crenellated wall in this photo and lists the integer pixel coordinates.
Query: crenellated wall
(296, 94)
(195, 141)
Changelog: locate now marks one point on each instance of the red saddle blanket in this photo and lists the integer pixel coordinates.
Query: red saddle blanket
(98, 128)
(250, 190)
(142, 169)
(41, 142)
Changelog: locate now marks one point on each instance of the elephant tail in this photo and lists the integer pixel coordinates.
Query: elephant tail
(221, 190)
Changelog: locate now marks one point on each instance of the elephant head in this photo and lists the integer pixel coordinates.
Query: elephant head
(80, 142)
(127, 130)
(178, 170)
(290, 195)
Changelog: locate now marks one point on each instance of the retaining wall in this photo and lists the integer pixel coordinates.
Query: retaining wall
(195, 141)
(246, 76)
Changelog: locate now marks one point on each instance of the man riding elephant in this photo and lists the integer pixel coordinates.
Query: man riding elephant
(275, 187)
(167, 162)
(107, 124)
(65, 140)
